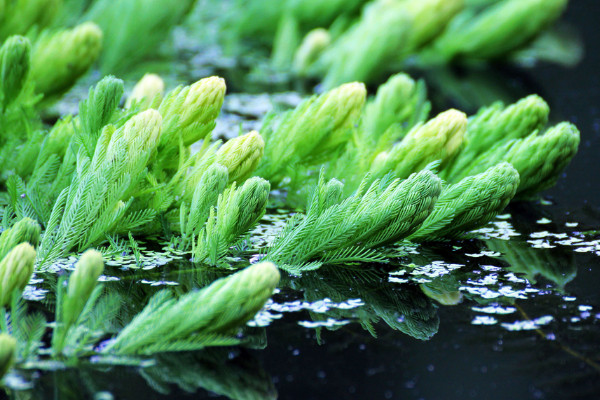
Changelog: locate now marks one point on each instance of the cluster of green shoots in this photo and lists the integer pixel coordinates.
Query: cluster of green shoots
(366, 174)
(69, 37)
(329, 40)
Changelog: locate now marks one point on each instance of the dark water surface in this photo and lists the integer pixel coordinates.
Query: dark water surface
(527, 325)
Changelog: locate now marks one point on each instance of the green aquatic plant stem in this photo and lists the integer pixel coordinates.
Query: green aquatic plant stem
(498, 28)
(59, 59)
(14, 69)
(241, 156)
(319, 127)
(210, 316)
(97, 199)
(469, 204)
(72, 302)
(193, 216)
(335, 230)
(16, 269)
(237, 211)
(25, 230)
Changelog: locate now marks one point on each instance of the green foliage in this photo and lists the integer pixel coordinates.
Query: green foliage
(97, 110)
(241, 155)
(399, 104)
(59, 59)
(14, 69)
(208, 317)
(26, 230)
(388, 31)
(97, 200)
(496, 29)
(437, 140)
(494, 124)
(337, 231)
(18, 17)
(312, 132)
(470, 203)
(133, 29)
(538, 158)
(16, 269)
(193, 216)
(238, 211)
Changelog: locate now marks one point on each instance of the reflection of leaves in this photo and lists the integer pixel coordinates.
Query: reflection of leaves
(240, 377)
(404, 308)
(556, 265)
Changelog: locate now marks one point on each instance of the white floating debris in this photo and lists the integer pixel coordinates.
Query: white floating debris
(328, 324)
(484, 320)
(528, 325)
(543, 221)
(494, 309)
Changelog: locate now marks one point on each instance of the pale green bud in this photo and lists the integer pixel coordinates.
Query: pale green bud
(310, 49)
(191, 110)
(143, 131)
(59, 59)
(341, 108)
(14, 68)
(448, 129)
(252, 199)
(8, 347)
(26, 230)
(439, 139)
(147, 93)
(81, 284)
(241, 155)
(16, 269)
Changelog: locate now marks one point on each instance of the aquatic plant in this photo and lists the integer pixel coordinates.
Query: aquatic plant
(81, 285)
(96, 201)
(405, 142)
(316, 129)
(237, 211)
(208, 317)
(26, 230)
(470, 203)
(336, 231)
(133, 29)
(59, 59)
(394, 33)
(16, 268)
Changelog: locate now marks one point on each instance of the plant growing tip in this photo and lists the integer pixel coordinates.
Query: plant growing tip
(26, 230)
(14, 68)
(16, 269)
(59, 59)
(147, 93)
(241, 155)
(81, 284)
